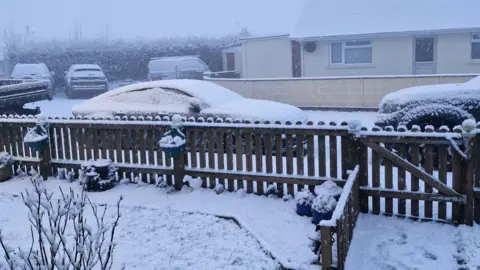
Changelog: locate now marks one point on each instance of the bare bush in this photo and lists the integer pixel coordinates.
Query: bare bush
(61, 238)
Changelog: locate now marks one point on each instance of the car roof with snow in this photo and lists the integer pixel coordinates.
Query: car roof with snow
(85, 66)
(470, 88)
(178, 96)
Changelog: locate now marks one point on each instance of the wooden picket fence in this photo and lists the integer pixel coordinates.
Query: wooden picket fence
(425, 175)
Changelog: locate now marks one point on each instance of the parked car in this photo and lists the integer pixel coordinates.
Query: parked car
(188, 98)
(33, 72)
(85, 79)
(177, 67)
(436, 105)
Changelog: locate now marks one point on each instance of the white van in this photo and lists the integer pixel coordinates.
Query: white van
(176, 67)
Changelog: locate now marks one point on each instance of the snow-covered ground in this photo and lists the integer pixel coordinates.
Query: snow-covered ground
(392, 243)
(60, 106)
(179, 231)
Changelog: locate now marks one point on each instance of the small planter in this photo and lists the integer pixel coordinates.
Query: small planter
(6, 160)
(329, 188)
(304, 210)
(317, 216)
(5, 173)
(98, 175)
(322, 208)
(304, 201)
(174, 152)
(37, 138)
(173, 143)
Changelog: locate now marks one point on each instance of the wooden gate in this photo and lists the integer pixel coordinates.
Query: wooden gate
(422, 176)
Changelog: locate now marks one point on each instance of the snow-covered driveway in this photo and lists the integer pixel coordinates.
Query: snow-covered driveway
(60, 106)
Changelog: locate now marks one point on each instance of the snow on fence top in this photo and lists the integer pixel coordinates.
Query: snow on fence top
(352, 127)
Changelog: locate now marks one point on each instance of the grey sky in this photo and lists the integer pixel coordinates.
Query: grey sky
(148, 18)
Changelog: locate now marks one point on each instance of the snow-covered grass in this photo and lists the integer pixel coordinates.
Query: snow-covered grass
(391, 243)
(159, 230)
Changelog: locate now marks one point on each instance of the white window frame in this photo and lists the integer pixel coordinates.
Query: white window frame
(346, 46)
(474, 40)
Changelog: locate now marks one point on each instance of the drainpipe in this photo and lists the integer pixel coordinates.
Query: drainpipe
(301, 58)
(244, 60)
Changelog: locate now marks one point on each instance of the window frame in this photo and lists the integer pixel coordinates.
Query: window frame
(346, 46)
(474, 40)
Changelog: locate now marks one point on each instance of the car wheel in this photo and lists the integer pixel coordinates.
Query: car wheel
(68, 92)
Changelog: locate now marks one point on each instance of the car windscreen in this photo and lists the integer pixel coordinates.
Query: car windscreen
(191, 64)
(20, 71)
(162, 66)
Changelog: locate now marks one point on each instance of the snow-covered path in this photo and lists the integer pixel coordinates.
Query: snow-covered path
(156, 227)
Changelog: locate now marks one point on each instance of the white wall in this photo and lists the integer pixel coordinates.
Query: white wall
(395, 56)
(390, 56)
(237, 50)
(454, 54)
(357, 92)
(268, 58)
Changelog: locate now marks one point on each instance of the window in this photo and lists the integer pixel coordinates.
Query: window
(476, 46)
(351, 52)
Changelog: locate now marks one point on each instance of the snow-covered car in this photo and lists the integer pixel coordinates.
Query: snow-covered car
(188, 98)
(85, 79)
(176, 67)
(436, 105)
(33, 72)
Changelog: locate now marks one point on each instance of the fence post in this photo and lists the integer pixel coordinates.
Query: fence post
(326, 247)
(476, 194)
(45, 156)
(179, 170)
(468, 163)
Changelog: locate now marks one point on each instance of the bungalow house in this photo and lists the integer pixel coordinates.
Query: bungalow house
(369, 38)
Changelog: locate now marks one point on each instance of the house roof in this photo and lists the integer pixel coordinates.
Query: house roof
(337, 18)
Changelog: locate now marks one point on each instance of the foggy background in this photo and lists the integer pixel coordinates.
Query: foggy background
(61, 19)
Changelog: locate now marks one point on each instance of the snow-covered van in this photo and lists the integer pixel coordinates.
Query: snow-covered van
(176, 67)
(436, 105)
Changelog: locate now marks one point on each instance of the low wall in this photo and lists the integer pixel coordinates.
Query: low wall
(353, 92)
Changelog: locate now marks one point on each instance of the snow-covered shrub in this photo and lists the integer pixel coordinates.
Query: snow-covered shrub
(329, 188)
(304, 197)
(61, 238)
(5, 159)
(324, 204)
(92, 180)
(469, 125)
(241, 193)
(287, 198)
(171, 141)
(219, 188)
(271, 191)
(194, 183)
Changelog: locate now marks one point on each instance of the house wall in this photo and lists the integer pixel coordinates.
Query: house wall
(267, 58)
(390, 56)
(356, 92)
(454, 54)
(395, 56)
(238, 58)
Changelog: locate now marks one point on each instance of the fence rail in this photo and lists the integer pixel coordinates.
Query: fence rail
(427, 175)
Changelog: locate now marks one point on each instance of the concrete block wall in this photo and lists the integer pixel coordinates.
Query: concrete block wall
(353, 92)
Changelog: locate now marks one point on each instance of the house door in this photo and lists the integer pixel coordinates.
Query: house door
(424, 50)
(230, 61)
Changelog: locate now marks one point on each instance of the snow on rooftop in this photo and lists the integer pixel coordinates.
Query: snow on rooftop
(326, 18)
